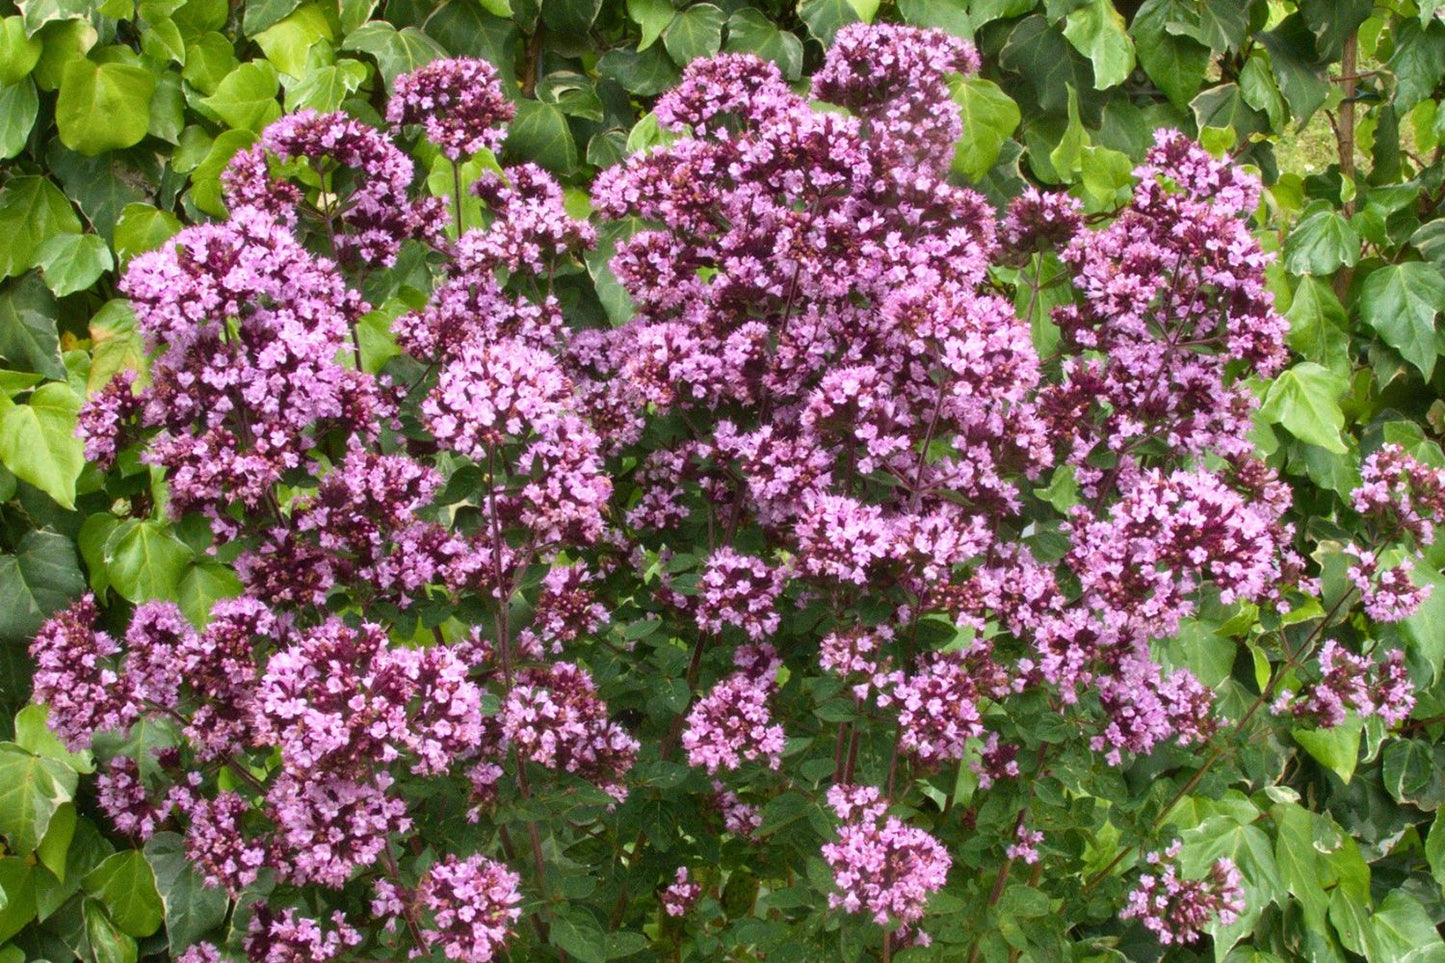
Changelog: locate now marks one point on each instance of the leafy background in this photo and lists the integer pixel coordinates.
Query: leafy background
(117, 117)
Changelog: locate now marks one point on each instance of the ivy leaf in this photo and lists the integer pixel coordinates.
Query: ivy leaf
(1301, 78)
(645, 74)
(1175, 63)
(192, 909)
(946, 15)
(126, 886)
(1336, 748)
(1404, 932)
(246, 99)
(1305, 400)
(1097, 31)
(1400, 302)
(749, 31)
(540, 133)
(202, 587)
(324, 88)
(32, 733)
(19, 105)
(826, 17)
(31, 210)
(143, 227)
(1321, 243)
(17, 883)
(38, 443)
(206, 178)
(31, 790)
(396, 51)
(103, 106)
(652, 16)
(209, 59)
(289, 43)
(261, 14)
(1418, 62)
(40, 579)
(107, 942)
(28, 337)
(73, 262)
(38, 13)
(19, 52)
(694, 33)
(990, 117)
(144, 560)
(1318, 328)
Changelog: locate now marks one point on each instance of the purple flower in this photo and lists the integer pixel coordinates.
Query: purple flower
(459, 101)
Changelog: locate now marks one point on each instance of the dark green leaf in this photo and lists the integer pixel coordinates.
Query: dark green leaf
(41, 578)
(126, 886)
(192, 909)
(749, 31)
(1321, 243)
(1175, 63)
(695, 32)
(28, 337)
(1400, 302)
(31, 210)
(396, 51)
(539, 133)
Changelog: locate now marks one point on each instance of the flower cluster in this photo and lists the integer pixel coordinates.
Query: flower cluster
(733, 724)
(678, 897)
(881, 865)
(1353, 683)
(458, 102)
(1177, 910)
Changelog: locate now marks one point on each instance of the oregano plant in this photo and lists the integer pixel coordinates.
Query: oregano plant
(899, 581)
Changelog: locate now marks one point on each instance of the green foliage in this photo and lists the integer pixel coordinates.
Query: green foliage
(116, 122)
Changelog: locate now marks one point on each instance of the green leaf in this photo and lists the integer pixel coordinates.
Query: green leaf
(19, 52)
(324, 88)
(40, 579)
(126, 886)
(749, 31)
(1404, 932)
(28, 337)
(117, 345)
(38, 443)
(1068, 154)
(1175, 63)
(1333, 22)
(1305, 400)
(73, 262)
(652, 16)
(1412, 773)
(396, 51)
(31, 210)
(645, 74)
(32, 733)
(1298, 860)
(31, 790)
(947, 15)
(1107, 177)
(578, 933)
(104, 185)
(17, 884)
(1221, 24)
(206, 178)
(1400, 302)
(826, 17)
(107, 942)
(1435, 847)
(203, 585)
(261, 14)
(1318, 328)
(990, 117)
(288, 43)
(144, 560)
(539, 133)
(192, 909)
(1097, 31)
(19, 105)
(38, 13)
(246, 99)
(210, 58)
(1418, 62)
(103, 106)
(1337, 748)
(141, 228)
(1224, 106)
(695, 32)
(1321, 243)
(1301, 78)
(1038, 52)
(54, 847)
